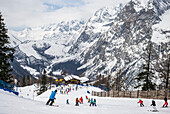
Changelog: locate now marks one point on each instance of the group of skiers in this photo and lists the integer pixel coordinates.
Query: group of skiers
(91, 101)
(68, 89)
(154, 104)
(79, 101)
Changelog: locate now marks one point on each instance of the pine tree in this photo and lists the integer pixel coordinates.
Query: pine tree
(145, 78)
(28, 80)
(23, 81)
(43, 82)
(6, 53)
(118, 81)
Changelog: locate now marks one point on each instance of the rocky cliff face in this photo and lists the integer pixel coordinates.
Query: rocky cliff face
(123, 45)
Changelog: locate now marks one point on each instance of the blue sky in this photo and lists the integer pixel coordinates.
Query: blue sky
(30, 13)
(65, 3)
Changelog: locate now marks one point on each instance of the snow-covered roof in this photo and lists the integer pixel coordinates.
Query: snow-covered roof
(82, 79)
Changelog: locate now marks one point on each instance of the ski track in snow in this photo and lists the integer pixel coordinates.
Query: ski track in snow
(24, 104)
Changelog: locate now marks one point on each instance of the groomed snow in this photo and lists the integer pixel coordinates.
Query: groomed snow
(12, 104)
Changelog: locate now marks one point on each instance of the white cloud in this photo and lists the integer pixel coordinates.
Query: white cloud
(34, 13)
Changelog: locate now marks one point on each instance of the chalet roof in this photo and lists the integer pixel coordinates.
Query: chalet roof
(82, 79)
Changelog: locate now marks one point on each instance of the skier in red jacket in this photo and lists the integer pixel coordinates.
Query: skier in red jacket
(77, 102)
(86, 97)
(141, 103)
(81, 100)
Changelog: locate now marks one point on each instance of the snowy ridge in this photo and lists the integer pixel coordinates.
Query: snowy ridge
(99, 23)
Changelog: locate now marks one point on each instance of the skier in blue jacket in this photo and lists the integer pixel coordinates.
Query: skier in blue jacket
(91, 102)
(52, 97)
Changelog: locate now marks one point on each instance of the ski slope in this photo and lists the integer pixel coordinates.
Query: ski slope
(27, 103)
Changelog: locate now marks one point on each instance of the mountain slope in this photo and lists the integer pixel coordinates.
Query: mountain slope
(123, 45)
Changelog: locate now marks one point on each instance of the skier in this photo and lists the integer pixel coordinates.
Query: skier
(91, 102)
(67, 102)
(77, 102)
(94, 102)
(154, 106)
(86, 97)
(76, 87)
(52, 97)
(81, 100)
(166, 102)
(141, 103)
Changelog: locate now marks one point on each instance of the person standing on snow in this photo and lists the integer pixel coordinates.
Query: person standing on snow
(141, 103)
(81, 100)
(94, 102)
(91, 102)
(52, 97)
(86, 97)
(154, 106)
(67, 102)
(77, 102)
(166, 102)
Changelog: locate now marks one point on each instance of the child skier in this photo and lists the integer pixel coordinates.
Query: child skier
(94, 102)
(166, 102)
(91, 102)
(141, 103)
(86, 97)
(77, 102)
(67, 102)
(154, 106)
(81, 100)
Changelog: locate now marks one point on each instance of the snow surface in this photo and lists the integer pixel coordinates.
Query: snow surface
(12, 104)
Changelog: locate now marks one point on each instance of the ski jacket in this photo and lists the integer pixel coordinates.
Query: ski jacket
(77, 100)
(91, 101)
(165, 99)
(81, 99)
(52, 96)
(153, 103)
(94, 101)
(141, 102)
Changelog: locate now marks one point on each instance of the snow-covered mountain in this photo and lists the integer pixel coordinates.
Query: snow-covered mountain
(99, 23)
(36, 48)
(112, 39)
(123, 45)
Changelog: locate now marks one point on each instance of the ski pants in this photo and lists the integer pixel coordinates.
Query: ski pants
(141, 105)
(52, 101)
(154, 108)
(166, 103)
